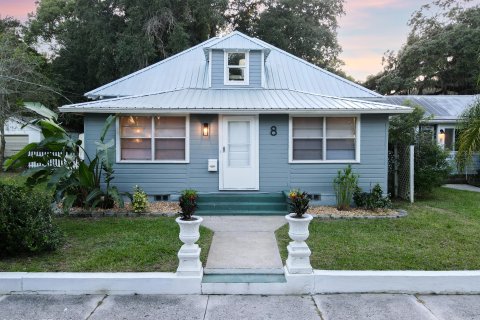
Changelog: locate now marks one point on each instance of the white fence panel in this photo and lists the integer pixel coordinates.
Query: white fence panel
(52, 162)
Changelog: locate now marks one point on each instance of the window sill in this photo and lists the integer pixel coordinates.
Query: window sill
(324, 161)
(236, 83)
(153, 161)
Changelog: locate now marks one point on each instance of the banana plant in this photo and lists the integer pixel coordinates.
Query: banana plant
(77, 182)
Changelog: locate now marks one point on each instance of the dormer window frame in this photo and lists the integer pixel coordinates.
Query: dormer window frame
(246, 67)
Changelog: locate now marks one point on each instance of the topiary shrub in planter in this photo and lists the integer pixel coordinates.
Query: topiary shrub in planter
(373, 200)
(189, 254)
(139, 200)
(26, 223)
(298, 261)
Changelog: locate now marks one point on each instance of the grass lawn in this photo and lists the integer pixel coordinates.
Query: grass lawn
(107, 244)
(440, 233)
(112, 245)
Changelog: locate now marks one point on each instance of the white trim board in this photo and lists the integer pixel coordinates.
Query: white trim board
(325, 138)
(187, 140)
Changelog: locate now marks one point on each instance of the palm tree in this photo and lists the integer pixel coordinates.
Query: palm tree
(469, 137)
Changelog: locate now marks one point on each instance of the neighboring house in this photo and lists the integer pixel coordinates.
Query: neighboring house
(444, 112)
(19, 133)
(237, 114)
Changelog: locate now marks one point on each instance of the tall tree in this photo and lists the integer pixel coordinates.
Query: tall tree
(437, 57)
(22, 76)
(97, 41)
(307, 29)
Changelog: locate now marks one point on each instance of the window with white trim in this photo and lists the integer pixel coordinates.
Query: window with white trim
(236, 68)
(317, 139)
(158, 138)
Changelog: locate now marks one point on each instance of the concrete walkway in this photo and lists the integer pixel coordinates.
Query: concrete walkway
(243, 244)
(464, 187)
(319, 307)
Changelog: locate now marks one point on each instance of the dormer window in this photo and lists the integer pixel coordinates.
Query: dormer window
(236, 68)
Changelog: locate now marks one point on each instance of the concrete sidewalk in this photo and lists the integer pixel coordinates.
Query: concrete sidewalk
(244, 244)
(464, 187)
(171, 307)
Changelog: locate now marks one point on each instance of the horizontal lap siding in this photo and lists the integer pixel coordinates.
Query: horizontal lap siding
(276, 174)
(162, 178)
(372, 169)
(255, 75)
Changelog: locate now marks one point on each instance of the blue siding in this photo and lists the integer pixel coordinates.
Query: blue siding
(276, 174)
(255, 75)
(161, 178)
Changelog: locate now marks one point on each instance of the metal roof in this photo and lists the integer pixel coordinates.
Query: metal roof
(233, 100)
(236, 40)
(189, 69)
(443, 108)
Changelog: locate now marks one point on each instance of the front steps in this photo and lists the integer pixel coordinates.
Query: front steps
(257, 284)
(242, 204)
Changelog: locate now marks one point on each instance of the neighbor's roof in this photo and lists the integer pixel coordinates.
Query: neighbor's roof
(189, 70)
(233, 100)
(444, 108)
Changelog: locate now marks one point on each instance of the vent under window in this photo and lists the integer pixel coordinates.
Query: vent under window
(315, 197)
(162, 197)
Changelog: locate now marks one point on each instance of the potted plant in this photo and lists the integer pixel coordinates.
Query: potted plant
(189, 254)
(298, 260)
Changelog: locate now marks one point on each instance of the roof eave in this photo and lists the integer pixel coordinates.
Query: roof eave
(228, 111)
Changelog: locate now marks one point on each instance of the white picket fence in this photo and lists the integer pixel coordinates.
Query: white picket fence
(52, 162)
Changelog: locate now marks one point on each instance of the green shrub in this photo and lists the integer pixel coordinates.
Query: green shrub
(373, 200)
(345, 185)
(139, 200)
(431, 166)
(188, 203)
(26, 223)
(298, 202)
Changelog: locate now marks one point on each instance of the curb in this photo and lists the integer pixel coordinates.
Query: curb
(318, 282)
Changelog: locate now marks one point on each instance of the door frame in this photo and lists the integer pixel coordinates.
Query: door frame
(255, 150)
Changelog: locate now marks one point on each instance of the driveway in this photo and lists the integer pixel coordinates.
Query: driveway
(322, 307)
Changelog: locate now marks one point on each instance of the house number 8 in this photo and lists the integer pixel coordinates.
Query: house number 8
(273, 130)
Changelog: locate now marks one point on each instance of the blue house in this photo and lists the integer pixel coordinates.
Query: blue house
(236, 114)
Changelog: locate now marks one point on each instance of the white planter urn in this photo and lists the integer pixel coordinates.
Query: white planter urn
(298, 261)
(189, 254)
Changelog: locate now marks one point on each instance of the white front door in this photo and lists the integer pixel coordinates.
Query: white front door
(239, 153)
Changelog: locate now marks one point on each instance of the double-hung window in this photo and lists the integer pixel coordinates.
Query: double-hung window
(153, 139)
(324, 139)
(236, 68)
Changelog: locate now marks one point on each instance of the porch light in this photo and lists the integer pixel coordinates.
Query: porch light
(205, 130)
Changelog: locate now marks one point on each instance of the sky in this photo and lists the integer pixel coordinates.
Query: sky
(369, 28)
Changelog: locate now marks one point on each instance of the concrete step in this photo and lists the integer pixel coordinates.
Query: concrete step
(240, 213)
(242, 197)
(244, 278)
(245, 271)
(242, 206)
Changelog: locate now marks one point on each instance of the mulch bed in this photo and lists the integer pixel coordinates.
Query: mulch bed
(324, 212)
(170, 209)
(160, 208)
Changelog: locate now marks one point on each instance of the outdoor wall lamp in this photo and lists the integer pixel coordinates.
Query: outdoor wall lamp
(206, 130)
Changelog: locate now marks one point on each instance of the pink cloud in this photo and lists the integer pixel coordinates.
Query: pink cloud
(18, 9)
(366, 4)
